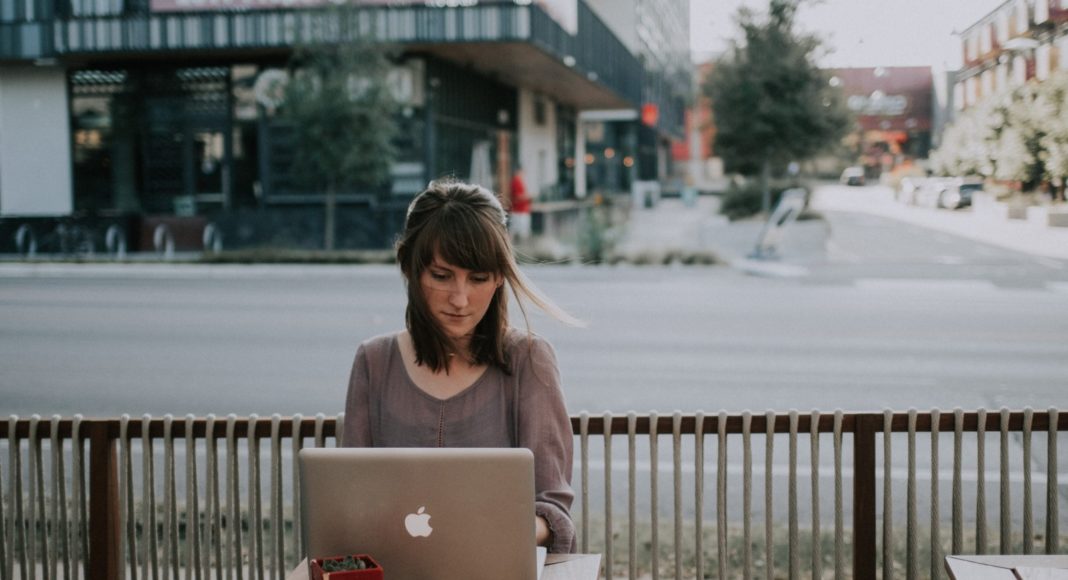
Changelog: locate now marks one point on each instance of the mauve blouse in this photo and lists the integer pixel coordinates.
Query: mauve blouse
(385, 408)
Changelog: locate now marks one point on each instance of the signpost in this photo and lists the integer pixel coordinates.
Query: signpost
(789, 207)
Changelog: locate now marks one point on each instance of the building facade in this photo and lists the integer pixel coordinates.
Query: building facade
(137, 113)
(894, 108)
(630, 147)
(1018, 41)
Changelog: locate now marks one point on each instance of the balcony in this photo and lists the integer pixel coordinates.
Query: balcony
(514, 42)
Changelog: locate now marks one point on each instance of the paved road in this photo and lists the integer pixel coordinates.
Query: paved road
(874, 237)
(280, 339)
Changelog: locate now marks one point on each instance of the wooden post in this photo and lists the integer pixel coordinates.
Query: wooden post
(104, 561)
(864, 495)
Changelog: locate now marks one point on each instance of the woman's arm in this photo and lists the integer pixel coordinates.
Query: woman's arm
(542, 535)
(545, 429)
(357, 427)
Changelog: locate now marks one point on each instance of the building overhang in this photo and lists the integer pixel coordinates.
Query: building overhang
(522, 64)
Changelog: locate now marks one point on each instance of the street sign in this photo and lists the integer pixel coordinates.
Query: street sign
(789, 207)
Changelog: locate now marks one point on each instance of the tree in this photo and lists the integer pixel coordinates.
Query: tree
(1054, 142)
(340, 106)
(770, 101)
(969, 145)
(1019, 155)
(1020, 135)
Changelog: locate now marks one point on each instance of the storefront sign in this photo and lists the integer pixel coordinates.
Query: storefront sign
(878, 103)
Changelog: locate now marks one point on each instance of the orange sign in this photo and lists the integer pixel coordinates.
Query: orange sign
(650, 114)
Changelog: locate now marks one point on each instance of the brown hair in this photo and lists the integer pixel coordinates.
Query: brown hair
(465, 226)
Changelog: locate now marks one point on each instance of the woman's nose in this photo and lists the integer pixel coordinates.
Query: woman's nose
(458, 295)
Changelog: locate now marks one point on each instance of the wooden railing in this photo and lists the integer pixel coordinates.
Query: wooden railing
(110, 516)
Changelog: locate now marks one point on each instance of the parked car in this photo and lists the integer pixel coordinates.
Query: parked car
(939, 192)
(962, 197)
(852, 176)
(906, 190)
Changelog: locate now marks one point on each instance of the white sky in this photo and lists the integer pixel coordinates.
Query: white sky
(860, 33)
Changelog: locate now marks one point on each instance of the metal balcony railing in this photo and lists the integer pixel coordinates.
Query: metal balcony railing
(595, 52)
(157, 497)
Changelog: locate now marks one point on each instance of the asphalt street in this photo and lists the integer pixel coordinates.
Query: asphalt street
(281, 339)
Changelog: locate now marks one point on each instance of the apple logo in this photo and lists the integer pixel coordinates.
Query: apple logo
(418, 524)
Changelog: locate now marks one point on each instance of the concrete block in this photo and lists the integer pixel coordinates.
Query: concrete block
(1057, 217)
(1007, 211)
(1048, 216)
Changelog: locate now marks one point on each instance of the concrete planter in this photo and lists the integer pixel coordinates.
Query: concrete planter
(1003, 211)
(983, 200)
(1048, 216)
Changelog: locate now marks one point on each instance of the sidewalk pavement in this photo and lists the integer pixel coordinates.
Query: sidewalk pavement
(1019, 235)
(672, 226)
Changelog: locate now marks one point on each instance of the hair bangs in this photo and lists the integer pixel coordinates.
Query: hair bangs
(465, 239)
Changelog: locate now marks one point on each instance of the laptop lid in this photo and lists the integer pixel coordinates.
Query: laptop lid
(426, 514)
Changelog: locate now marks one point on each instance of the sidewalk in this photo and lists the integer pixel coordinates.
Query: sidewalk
(672, 226)
(1019, 235)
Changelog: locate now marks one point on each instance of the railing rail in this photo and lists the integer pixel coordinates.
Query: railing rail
(596, 52)
(216, 517)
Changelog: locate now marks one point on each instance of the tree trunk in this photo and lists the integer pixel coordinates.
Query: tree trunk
(765, 187)
(330, 211)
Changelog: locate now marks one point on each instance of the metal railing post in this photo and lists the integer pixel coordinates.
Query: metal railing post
(104, 540)
(864, 524)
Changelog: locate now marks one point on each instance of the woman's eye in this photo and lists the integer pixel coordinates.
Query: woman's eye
(480, 278)
(438, 276)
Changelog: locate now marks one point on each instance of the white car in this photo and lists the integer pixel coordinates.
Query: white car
(852, 176)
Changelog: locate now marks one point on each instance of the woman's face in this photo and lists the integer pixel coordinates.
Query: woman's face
(457, 298)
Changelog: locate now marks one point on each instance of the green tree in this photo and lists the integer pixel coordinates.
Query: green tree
(341, 108)
(770, 101)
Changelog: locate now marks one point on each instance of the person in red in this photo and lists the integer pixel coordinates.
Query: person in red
(519, 222)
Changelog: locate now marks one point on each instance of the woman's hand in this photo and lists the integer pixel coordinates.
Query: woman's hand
(542, 535)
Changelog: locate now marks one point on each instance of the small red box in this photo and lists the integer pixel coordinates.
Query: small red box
(372, 572)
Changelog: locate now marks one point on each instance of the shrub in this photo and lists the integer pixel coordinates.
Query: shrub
(742, 201)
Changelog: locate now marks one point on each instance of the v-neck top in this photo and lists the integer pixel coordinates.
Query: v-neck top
(524, 408)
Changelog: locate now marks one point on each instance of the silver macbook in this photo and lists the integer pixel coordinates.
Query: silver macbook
(423, 514)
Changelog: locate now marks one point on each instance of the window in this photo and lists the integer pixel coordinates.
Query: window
(1022, 20)
(1042, 62)
(539, 112)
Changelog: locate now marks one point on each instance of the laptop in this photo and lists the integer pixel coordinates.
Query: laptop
(423, 514)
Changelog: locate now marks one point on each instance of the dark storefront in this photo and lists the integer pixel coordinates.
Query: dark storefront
(200, 143)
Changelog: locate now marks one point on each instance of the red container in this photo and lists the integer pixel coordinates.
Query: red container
(372, 572)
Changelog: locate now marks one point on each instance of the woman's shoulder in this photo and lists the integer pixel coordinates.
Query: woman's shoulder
(524, 346)
(378, 347)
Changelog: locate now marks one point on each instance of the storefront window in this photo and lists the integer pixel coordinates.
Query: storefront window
(247, 188)
(104, 142)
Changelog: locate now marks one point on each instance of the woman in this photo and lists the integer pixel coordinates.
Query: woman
(458, 375)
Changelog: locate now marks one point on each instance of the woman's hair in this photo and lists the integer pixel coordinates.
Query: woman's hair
(466, 227)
